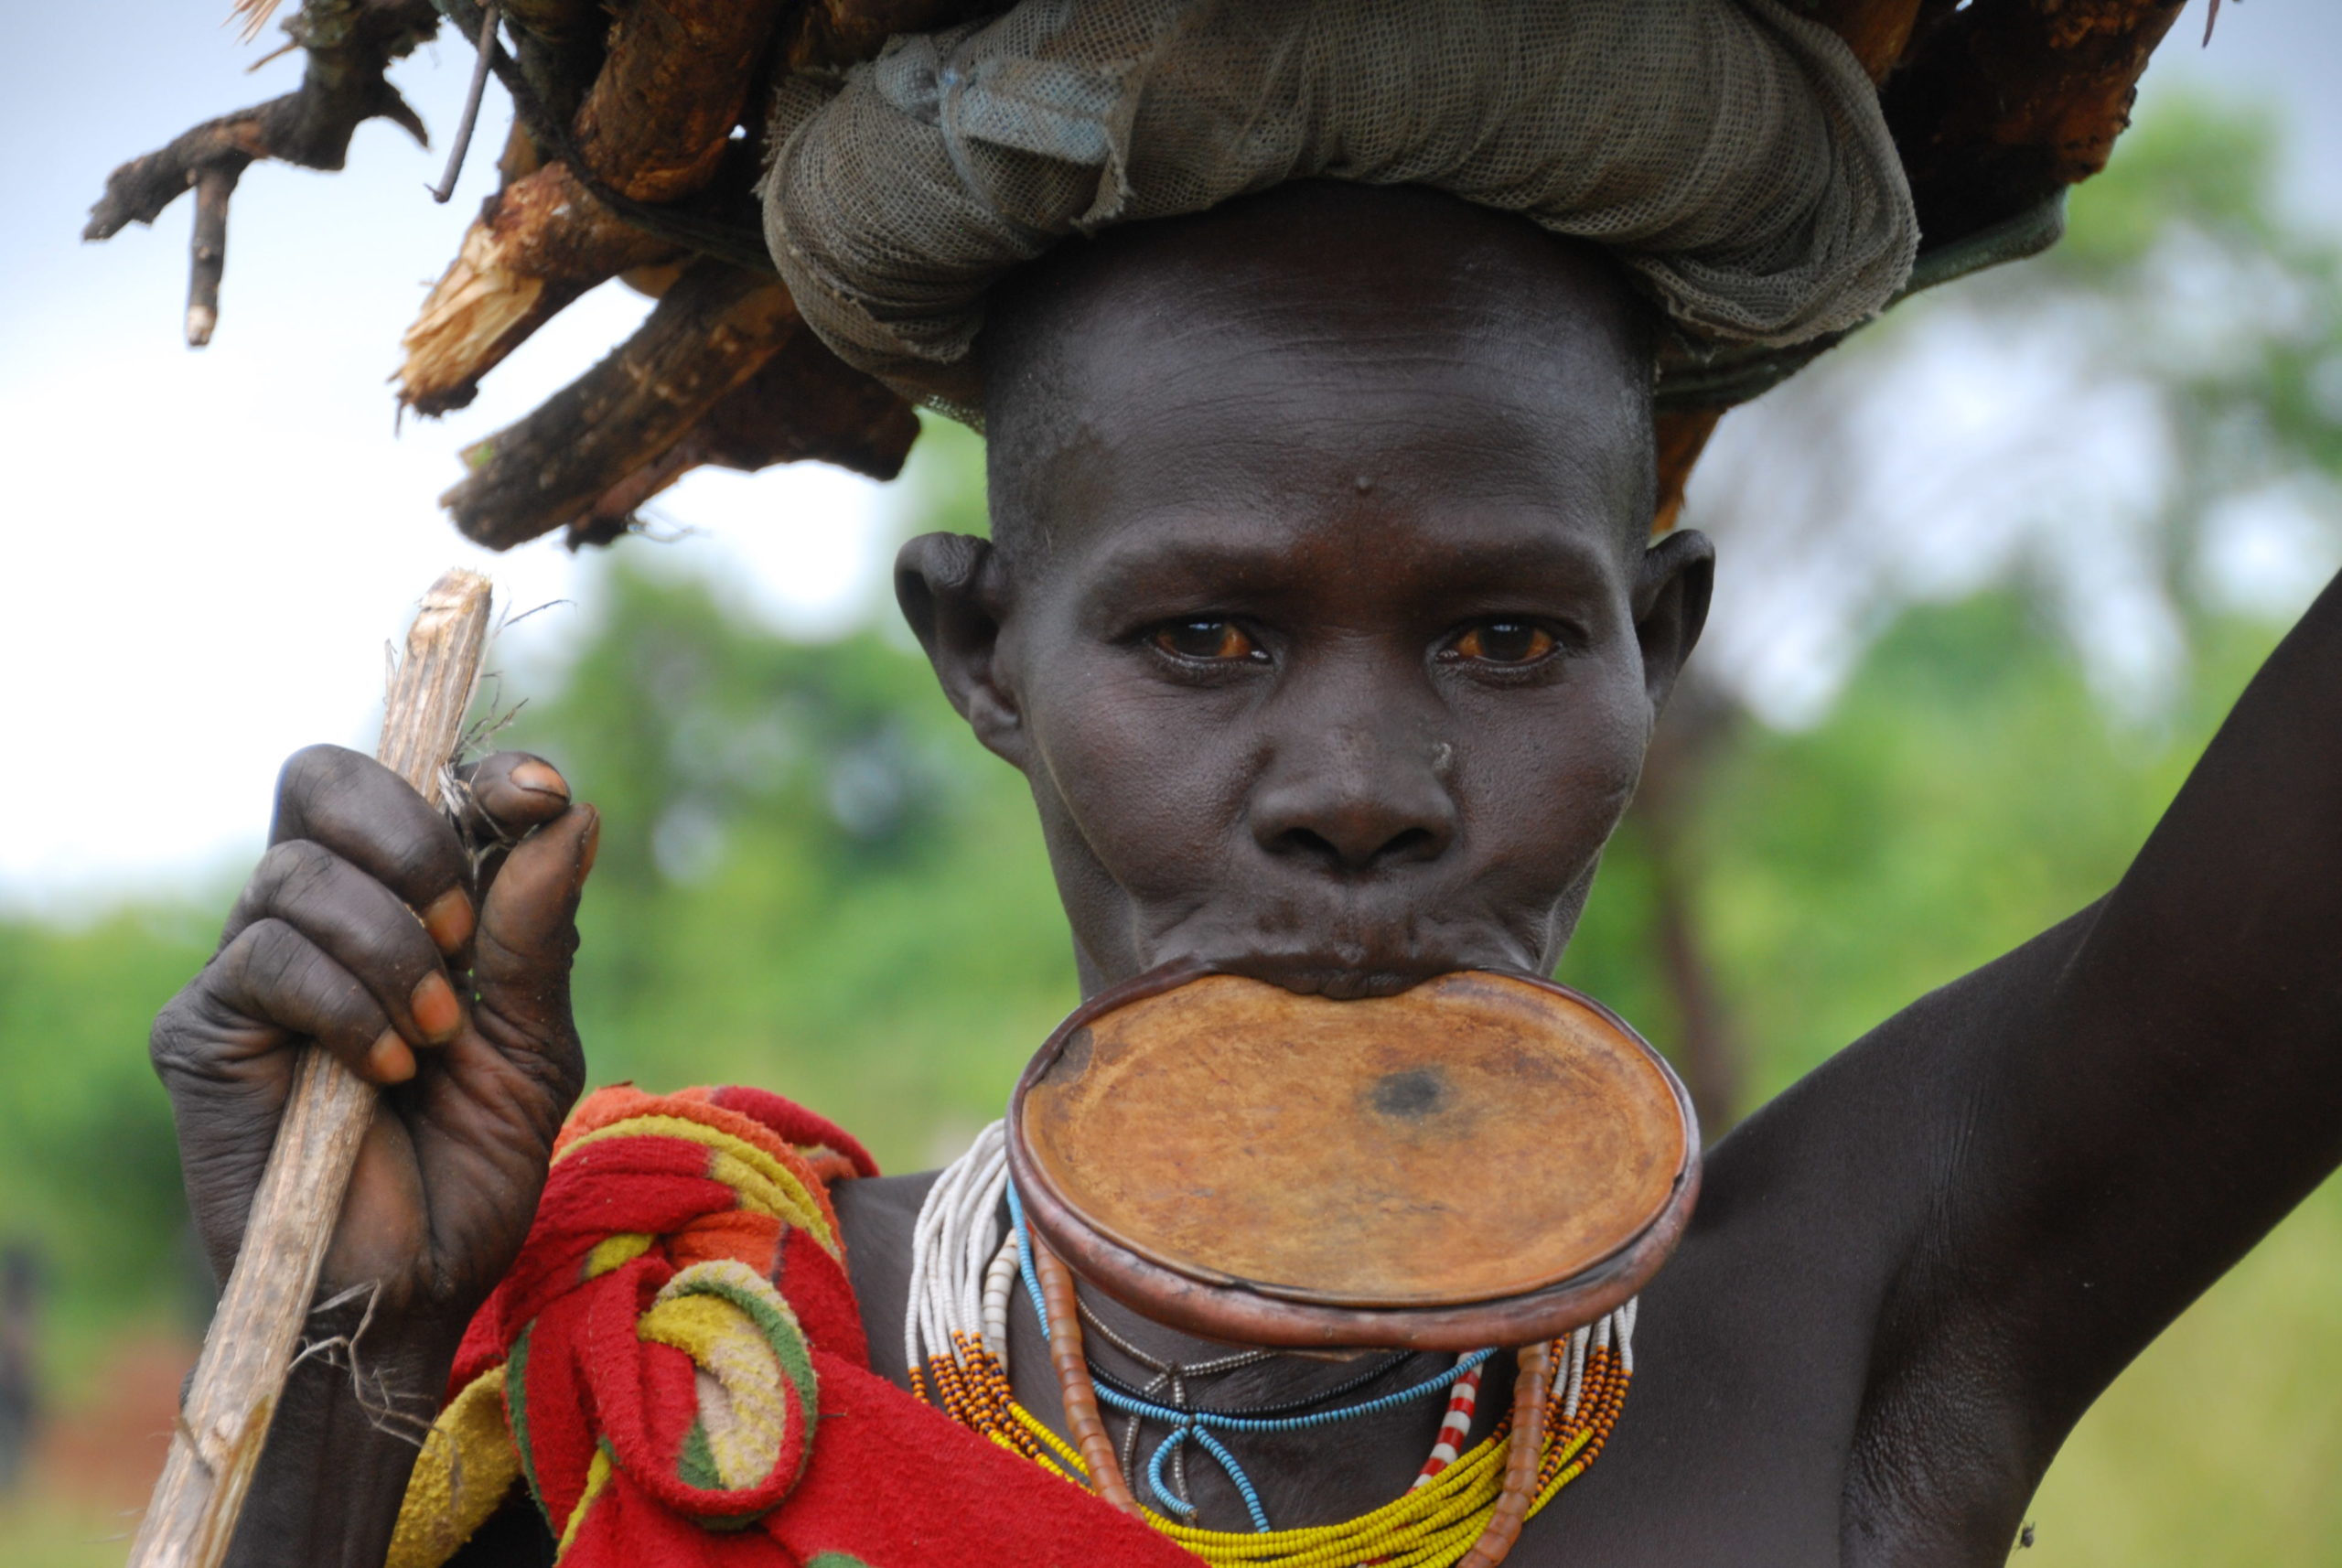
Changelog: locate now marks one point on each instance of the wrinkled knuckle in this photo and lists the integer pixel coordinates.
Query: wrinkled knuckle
(425, 855)
(172, 1044)
(556, 1069)
(314, 767)
(265, 955)
(290, 869)
(238, 963)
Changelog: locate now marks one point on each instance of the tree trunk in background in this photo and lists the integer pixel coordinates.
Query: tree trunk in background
(1698, 728)
(20, 1359)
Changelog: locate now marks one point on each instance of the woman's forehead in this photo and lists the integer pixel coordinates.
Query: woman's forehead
(1280, 355)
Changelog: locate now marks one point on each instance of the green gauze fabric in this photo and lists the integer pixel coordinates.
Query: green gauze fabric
(1730, 153)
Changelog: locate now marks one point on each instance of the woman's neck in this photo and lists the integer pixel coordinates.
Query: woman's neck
(1315, 1475)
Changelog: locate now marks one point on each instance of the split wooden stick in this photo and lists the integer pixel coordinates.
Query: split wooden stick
(250, 1348)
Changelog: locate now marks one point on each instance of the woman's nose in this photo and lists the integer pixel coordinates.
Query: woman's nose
(1352, 800)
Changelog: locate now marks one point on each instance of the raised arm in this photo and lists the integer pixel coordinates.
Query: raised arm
(2089, 1131)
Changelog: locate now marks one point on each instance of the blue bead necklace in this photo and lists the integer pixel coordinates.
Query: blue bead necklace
(1189, 1424)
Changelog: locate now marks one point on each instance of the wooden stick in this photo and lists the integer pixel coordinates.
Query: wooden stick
(249, 1349)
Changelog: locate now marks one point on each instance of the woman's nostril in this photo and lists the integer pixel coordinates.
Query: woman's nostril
(1309, 844)
(1364, 854)
(1414, 844)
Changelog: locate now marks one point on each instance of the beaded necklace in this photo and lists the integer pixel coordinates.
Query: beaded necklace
(1464, 1510)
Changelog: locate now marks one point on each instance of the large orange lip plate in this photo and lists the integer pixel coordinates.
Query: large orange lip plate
(1486, 1159)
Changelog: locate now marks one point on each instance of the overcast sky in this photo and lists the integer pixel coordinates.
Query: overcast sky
(206, 551)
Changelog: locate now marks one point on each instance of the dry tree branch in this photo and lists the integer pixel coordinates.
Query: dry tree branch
(713, 330)
(805, 404)
(654, 127)
(483, 55)
(538, 244)
(829, 33)
(350, 44)
(2002, 106)
(251, 16)
(677, 76)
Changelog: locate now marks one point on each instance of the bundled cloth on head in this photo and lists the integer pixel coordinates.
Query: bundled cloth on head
(1731, 154)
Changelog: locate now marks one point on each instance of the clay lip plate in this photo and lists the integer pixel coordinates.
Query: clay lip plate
(1480, 1137)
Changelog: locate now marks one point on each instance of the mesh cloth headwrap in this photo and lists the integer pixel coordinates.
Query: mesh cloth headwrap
(1728, 152)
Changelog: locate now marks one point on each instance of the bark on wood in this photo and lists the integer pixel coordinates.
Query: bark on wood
(192, 1516)
(538, 244)
(1876, 30)
(806, 403)
(1682, 435)
(673, 86)
(563, 23)
(2008, 100)
(350, 43)
(830, 33)
(711, 331)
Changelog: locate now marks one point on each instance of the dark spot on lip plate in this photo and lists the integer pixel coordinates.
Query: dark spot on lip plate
(1411, 1094)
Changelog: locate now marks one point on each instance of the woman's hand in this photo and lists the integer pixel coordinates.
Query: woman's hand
(368, 928)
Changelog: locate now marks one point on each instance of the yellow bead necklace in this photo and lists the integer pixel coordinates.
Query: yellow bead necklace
(1463, 1513)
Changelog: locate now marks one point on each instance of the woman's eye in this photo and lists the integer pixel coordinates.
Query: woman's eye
(1206, 640)
(1503, 642)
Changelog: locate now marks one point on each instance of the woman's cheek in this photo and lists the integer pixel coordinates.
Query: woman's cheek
(1142, 769)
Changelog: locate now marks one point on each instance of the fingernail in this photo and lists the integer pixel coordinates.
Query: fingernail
(388, 1061)
(592, 847)
(437, 1011)
(449, 920)
(539, 778)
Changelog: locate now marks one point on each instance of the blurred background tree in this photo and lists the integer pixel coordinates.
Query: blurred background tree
(1990, 577)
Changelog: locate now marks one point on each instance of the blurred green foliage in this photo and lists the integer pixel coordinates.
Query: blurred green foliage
(812, 879)
(810, 876)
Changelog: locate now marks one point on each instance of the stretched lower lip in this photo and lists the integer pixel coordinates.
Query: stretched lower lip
(1343, 980)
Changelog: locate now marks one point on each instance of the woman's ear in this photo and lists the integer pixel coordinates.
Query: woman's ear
(1670, 607)
(950, 590)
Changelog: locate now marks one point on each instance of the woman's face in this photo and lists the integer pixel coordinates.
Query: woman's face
(1326, 635)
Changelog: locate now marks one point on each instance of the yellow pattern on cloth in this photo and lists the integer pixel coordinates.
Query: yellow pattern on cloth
(615, 1252)
(765, 1186)
(738, 1376)
(754, 1391)
(598, 1481)
(468, 1466)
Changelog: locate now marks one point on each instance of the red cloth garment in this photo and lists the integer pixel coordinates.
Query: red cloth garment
(675, 1369)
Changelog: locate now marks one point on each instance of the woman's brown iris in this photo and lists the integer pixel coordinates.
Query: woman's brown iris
(1503, 642)
(1206, 640)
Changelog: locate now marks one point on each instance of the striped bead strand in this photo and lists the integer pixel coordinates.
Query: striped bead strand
(1454, 1428)
(1000, 1281)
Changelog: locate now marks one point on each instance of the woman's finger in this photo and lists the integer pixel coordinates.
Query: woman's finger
(528, 929)
(273, 976)
(363, 927)
(371, 818)
(508, 793)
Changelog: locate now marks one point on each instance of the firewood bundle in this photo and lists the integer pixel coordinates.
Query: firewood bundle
(637, 140)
